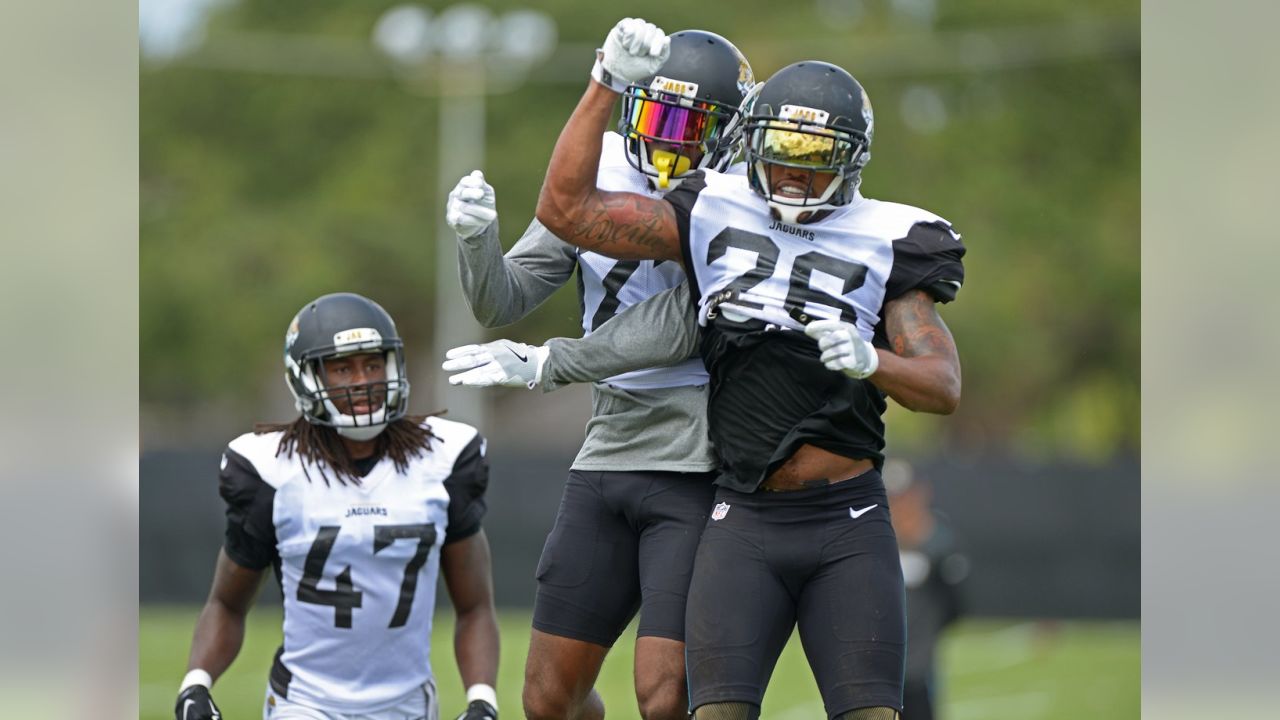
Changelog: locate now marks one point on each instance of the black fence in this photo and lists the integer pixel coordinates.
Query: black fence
(1043, 540)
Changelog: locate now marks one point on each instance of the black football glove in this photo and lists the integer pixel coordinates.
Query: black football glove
(479, 710)
(195, 703)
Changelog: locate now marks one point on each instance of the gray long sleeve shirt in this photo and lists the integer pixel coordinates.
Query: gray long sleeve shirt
(631, 429)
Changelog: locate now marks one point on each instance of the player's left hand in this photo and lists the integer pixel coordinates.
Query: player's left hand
(472, 206)
(843, 348)
(633, 50)
(501, 362)
(479, 710)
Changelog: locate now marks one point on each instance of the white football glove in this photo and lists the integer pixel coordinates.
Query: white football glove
(501, 362)
(472, 205)
(633, 50)
(843, 348)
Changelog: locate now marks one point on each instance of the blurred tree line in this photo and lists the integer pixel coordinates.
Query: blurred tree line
(1016, 121)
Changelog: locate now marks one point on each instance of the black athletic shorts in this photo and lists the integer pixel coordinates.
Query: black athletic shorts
(622, 542)
(824, 558)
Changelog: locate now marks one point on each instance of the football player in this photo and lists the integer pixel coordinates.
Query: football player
(934, 571)
(357, 506)
(639, 491)
(815, 303)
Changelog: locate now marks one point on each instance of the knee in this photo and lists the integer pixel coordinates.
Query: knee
(668, 701)
(544, 703)
(553, 701)
(661, 691)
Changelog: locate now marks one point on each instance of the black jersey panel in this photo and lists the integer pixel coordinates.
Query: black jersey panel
(929, 258)
(466, 486)
(770, 394)
(251, 534)
(682, 199)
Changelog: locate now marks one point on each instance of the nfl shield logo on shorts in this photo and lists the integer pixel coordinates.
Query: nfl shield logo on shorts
(720, 511)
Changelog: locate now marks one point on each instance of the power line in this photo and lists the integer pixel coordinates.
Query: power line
(963, 52)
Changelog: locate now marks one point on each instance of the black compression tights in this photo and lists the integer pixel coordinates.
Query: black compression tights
(747, 711)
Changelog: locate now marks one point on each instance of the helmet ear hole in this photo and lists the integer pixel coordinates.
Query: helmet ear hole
(310, 377)
(392, 360)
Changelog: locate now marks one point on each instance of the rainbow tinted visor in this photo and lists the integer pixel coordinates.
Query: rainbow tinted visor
(673, 118)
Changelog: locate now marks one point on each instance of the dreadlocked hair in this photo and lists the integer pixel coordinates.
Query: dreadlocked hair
(402, 440)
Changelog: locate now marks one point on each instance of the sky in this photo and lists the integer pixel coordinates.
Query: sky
(166, 28)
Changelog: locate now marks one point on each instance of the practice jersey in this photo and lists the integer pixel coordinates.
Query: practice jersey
(609, 286)
(759, 280)
(357, 564)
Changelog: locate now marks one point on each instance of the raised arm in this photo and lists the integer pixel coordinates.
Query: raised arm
(627, 226)
(503, 289)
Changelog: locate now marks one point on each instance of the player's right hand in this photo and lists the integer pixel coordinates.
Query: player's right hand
(843, 349)
(195, 703)
(501, 362)
(633, 51)
(472, 205)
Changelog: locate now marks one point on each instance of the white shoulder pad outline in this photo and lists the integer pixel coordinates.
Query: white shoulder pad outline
(727, 180)
(897, 219)
(260, 451)
(453, 437)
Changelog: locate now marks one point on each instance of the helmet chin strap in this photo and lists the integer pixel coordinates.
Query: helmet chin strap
(363, 432)
(349, 426)
(789, 214)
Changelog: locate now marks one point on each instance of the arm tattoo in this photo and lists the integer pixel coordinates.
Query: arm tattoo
(626, 225)
(915, 328)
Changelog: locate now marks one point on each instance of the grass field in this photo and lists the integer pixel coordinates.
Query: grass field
(991, 670)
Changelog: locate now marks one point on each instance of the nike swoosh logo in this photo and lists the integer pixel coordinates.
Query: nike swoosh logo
(859, 513)
(518, 355)
(187, 706)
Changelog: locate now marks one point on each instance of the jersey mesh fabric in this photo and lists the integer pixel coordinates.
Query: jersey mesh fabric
(358, 565)
(759, 280)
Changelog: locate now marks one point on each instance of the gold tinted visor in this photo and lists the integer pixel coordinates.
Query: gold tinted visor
(789, 144)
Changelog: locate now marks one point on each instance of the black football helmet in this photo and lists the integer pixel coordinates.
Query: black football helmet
(334, 326)
(812, 116)
(693, 103)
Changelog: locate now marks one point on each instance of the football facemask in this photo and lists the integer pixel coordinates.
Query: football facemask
(342, 325)
(359, 411)
(670, 131)
(800, 139)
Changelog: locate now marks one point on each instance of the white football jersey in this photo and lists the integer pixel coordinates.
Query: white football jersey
(758, 280)
(357, 564)
(610, 286)
(750, 266)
